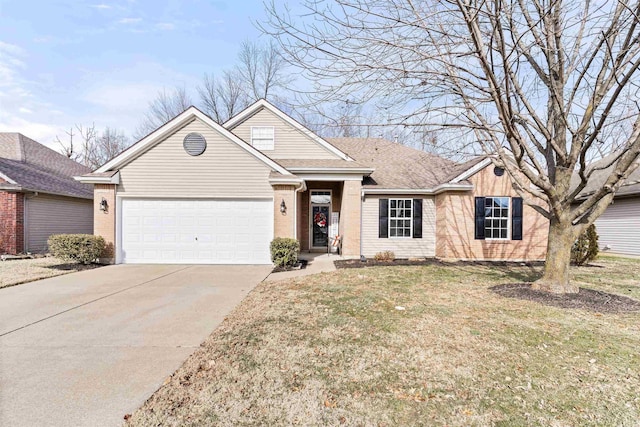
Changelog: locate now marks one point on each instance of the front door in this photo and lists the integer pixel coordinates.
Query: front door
(320, 225)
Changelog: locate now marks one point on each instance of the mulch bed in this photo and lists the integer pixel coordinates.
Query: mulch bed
(586, 299)
(302, 264)
(369, 262)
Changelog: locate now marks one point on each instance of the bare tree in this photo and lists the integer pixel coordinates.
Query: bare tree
(544, 85)
(260, 73)
(91, 148)
(224, 97)
(79, 140)
(262, 69)
(165, 106)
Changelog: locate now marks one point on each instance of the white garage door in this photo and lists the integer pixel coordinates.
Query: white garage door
(196, 231)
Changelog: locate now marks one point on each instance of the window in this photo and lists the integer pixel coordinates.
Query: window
(262, 137)
(496, 217)
(400, 217)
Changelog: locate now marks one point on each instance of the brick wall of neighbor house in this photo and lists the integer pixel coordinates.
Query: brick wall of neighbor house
(104, 222)
(455, 217)
(284, 223)
(11, 222)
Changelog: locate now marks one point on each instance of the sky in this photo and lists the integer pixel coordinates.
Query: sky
(66, 62)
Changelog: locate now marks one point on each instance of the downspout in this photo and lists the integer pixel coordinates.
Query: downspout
(302, 187)
(362, 258)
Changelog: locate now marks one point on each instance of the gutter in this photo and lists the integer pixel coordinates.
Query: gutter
(20, 189)
(429, 191)
(365, 171)
(113, 179)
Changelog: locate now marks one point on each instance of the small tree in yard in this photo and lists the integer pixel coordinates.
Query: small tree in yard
(546, 85)
(585, 249)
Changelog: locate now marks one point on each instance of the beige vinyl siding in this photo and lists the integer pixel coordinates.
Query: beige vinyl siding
(47, 214)
(402, 247)
(619, 227)
(224, 170)
(290, 143)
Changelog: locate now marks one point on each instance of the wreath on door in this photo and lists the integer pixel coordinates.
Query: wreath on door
(320, 219)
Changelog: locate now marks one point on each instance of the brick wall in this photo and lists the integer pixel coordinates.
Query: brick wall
(104, 222)
(283, 222)
(11, 222)
(455, 216)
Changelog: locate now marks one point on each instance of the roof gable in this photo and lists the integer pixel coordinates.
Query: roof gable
(172, 126)
(264, 106)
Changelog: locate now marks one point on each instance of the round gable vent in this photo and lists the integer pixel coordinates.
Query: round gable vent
(194, 144)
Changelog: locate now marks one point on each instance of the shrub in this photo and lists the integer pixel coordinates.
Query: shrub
(385, 256)
(284, 251)
(585, 249)
(84, 248)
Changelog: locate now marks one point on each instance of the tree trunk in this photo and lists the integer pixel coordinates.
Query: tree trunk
(556, 267)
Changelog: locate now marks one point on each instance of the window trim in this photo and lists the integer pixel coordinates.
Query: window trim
(508, 217)
(273, 138)
(389, 218)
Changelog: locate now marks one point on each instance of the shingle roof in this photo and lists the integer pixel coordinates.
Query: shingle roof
(598, 177)
(322, 163)
(34, 167)
(397, 166)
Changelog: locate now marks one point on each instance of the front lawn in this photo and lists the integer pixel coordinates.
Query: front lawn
(412, 345)
(20, 271)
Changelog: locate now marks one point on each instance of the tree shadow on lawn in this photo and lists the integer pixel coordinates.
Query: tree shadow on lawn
(586, 299)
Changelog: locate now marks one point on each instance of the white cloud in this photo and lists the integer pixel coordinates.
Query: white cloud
(129, 21)
(24, 110)
(101, 6)
(165, 26)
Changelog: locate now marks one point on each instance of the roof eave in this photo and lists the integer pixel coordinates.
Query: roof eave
(429, 191)
(359, 171)
(88, 179)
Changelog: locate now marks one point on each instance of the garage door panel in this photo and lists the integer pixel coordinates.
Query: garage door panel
(196, 231)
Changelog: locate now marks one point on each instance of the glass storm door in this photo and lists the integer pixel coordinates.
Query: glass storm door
(320, 225)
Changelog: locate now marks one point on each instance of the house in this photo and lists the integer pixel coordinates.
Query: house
(195, 191)
(38, 195)
(618, 227)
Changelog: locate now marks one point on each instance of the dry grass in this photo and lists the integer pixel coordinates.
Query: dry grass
(427, 345)
(27, 270)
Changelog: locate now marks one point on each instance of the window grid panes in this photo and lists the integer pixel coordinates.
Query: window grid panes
(400, 214)
(262, 137)
(496, 217)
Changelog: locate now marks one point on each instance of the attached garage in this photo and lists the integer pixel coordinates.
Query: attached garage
(196, 231)
(618, 227)
(46, 214)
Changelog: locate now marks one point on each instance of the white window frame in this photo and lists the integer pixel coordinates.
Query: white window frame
(398, 218)
(492, 218)
(263, 143)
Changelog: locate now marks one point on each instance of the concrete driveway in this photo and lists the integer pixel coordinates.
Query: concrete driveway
(87, 348)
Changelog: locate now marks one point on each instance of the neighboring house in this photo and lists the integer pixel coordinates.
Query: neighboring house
(195, 191)
(618, 227)
(38, 195)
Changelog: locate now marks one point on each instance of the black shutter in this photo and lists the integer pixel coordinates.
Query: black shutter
(383, 219)
(479, 234)
(417, 218)
(516, 218)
